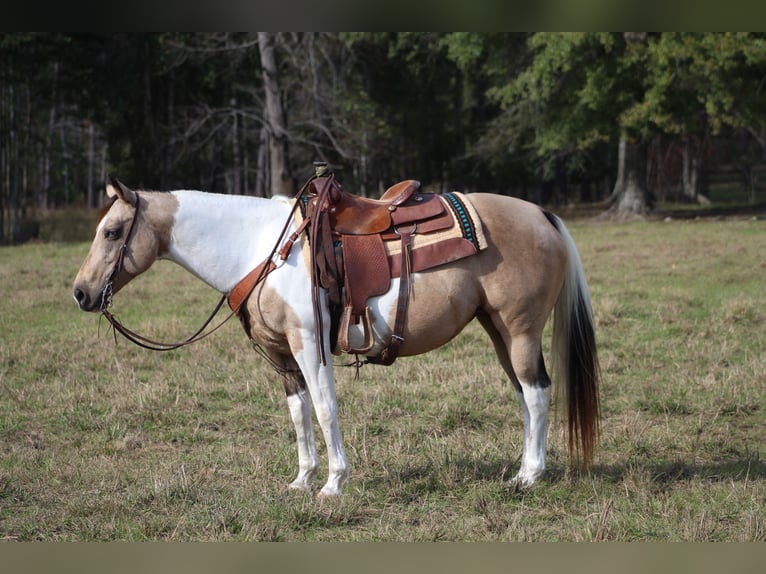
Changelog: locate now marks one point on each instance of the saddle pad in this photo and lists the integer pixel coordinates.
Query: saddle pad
(465, 237)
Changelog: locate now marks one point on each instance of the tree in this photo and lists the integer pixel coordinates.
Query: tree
(582, 89)
(423, 102)
(534, 115)
(630, 197)
(41, 125)
(568, 97)
(281, 181)
(699, 84)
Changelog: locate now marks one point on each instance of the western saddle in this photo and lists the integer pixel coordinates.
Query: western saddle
(347, 238)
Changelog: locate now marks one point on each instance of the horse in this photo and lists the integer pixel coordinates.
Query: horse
(530, 270)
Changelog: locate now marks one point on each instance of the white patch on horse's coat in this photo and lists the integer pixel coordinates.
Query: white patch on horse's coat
(216, 247)
(282, 199)
(383, 311)
(102, 223)
(320, 383)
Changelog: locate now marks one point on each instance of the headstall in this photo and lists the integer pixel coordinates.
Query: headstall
(255, 277)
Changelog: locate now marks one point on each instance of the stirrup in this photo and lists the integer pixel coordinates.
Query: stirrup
(345, 326)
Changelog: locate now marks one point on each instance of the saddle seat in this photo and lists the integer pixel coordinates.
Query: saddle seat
(400, 205)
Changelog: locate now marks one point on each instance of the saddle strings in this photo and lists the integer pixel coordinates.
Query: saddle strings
(314, 240)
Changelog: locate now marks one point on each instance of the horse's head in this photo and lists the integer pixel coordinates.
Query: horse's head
(124, 247)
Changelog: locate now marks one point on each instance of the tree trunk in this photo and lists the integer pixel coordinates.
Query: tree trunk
(91, 202)
(619, 183)
(630, 197)
(102, 174)
(245, 159)
(561, 181)
(236, 152)
(746, 165)
(5, 158)
(261, 173)
(48, 146)
(14, 189)
(281, 182)
(66, 160)
(692, 167)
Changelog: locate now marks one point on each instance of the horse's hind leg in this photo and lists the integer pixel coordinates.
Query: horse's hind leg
(299, 403)
(535, 397)
(521, 358)
(501, 347)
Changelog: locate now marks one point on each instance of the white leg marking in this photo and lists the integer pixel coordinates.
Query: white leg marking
(320, 382)
(525, 415)
(535, 401)
(308, 460)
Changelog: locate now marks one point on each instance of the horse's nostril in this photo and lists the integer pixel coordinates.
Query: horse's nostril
(80, 296)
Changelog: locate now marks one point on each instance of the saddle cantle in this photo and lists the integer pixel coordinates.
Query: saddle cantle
(358, 244)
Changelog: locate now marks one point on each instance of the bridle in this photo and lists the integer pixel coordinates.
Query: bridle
(132, 336)
(107, 291)
(260, 273)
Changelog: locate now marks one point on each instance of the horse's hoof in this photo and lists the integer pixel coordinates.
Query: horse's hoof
(523, 482)
(328, 493)
(299, 486)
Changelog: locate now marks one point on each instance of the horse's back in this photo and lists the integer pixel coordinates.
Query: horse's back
(501, 213)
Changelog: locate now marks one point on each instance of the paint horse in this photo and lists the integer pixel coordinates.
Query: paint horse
(529, 269)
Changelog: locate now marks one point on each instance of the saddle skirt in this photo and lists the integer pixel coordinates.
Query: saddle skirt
(459, 235)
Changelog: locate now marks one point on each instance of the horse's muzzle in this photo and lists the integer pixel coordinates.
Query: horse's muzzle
(85, 301)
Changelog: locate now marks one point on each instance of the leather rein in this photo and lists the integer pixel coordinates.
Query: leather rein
(236, 297)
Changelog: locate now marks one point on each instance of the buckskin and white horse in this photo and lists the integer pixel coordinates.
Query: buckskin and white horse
(529, 267)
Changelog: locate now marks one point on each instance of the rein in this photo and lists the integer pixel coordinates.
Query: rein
(236, 297)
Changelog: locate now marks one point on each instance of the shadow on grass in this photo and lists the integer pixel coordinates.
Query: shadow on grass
(664, 472)
(661, 472)
(758, 209)
(417, 480)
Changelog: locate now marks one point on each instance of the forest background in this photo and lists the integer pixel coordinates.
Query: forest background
(621, 122)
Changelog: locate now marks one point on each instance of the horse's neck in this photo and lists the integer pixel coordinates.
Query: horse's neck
(221, 238)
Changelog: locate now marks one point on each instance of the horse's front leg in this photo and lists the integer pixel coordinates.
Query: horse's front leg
(299, 404)
(320, 381)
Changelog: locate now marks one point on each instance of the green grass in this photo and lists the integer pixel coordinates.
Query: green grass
(110, 442)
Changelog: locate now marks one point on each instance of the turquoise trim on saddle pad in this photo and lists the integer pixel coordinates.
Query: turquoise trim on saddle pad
(461, 213)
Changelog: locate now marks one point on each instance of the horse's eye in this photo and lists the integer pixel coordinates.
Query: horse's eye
(112, 234)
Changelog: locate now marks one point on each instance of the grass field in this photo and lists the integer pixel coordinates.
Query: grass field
(110, 442)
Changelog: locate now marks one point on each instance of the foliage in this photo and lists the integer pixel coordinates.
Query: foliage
(588, 87)
(503, 112)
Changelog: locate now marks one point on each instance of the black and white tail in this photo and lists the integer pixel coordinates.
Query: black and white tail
(575, 359)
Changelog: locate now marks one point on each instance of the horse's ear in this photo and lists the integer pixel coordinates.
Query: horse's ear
(114, 187)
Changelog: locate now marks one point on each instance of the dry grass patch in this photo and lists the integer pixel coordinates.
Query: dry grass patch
(110, 442)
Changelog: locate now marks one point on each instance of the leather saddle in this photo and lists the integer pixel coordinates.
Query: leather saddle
(354, 215)
(349, 258)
